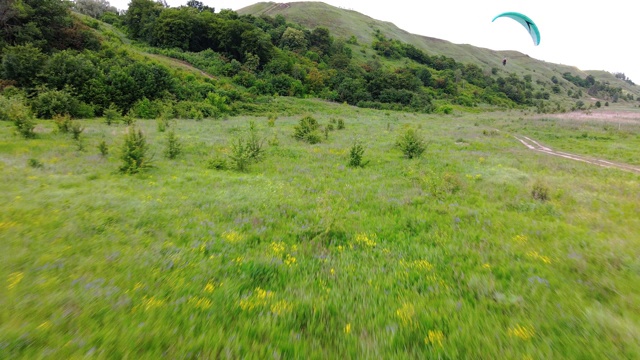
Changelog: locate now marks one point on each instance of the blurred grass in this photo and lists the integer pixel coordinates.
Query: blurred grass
(304, 257)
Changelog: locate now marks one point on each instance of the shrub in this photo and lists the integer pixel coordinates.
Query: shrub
(14, 110)
(112, 114)
(271, 120)
(25, 126)
(35, 163)
(217, 163)
(134, 152)
(76, 129)
(147, 109)
(174, 147)
(254, 143)
(54, 102)
(340, 124)
(240, 155)
(411, 144)
(355, 155)
(103, 148)
(63, 123)
(307, 130)
(540, 191)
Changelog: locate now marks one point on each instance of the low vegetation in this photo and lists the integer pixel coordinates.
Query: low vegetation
(479, 248)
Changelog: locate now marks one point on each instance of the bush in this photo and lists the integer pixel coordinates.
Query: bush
(63, 123)
(134, 152)
(307, 130)
(217, 163)
(54, 102)
(355, 155)
(240, 155)
(540, 191)
(14, 110)
(174, 147)
(103, 148)
(411, 144)
(254, 143)
(147, 109)
(35, 163)
(76, 129)
(112, 114)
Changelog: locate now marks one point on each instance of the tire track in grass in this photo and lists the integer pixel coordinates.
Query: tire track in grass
(536, 146)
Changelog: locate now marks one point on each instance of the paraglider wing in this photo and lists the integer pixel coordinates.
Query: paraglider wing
(524, 21)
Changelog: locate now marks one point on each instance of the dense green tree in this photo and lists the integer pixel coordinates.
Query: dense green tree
(140, 18)
(22, 64)
(320, 40)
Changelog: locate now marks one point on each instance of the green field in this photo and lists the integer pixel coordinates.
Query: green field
(301, 256)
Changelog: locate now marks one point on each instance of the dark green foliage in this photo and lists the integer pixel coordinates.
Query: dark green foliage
(35, 163)
(411, 144)
(340, 124)
(217, 163)
(307, 130)
(174, 146)
(355, 155)
(134, 152)
(47, 24)
(49, 103)
(22, 64)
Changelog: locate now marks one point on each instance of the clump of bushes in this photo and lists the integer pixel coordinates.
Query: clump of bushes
(14, 110)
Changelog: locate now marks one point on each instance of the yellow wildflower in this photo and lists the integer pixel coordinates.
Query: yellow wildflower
(290, 260)
(522, 332)
(347, 328)
(209, 288)
(232, 236)
(281, 307)
(366, 240)
(406, 314)
(434, 337)
(200, 302)
(45, 325)
(14, 279)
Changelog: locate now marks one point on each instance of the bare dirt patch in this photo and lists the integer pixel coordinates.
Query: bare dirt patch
(609, 116)
(536, 146)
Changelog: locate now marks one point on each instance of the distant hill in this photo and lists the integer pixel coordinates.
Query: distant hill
(346, 23)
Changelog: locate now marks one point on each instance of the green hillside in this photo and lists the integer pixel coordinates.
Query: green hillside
(347, 23)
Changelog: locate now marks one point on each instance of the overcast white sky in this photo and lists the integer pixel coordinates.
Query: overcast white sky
(591, 35)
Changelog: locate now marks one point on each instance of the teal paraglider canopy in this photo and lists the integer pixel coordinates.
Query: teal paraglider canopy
(524, 21)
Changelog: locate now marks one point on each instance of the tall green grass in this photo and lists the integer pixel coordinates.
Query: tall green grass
(302, 256)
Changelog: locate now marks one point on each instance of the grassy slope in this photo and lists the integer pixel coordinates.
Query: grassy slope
(345, 23)
(303, 257)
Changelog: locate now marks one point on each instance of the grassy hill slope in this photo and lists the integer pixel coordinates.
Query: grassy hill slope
(347, 23)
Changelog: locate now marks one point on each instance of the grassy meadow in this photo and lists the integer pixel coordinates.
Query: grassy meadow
(301, 256)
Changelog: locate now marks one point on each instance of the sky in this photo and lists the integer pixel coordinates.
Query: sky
(587, 34)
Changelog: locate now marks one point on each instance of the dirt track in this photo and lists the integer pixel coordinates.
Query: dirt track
(536, 146)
